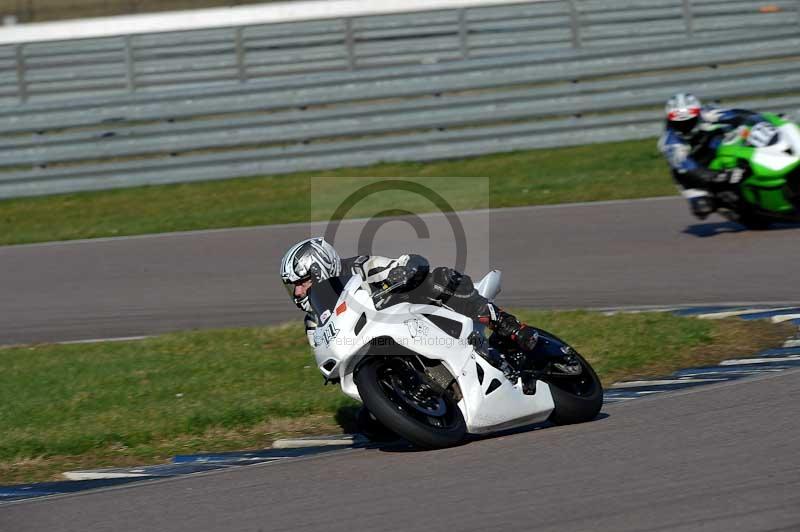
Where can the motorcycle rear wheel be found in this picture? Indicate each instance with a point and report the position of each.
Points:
(754, 222)
(403, 400)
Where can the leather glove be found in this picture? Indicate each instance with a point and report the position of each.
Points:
(400, 275)
(526, 337)
(410, 275)
(728, 176)
(507, 326)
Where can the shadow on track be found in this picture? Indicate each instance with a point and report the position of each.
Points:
(346, 417)
(711, 229)
(401, 446)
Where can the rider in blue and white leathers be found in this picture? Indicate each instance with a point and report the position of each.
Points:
(691, 137)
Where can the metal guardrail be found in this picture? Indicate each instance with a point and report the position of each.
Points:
(474, 105)
(58, 70)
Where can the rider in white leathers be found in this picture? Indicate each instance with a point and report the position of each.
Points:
(314, 260)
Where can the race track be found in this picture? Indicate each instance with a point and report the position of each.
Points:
(634, 253)
(717, 458)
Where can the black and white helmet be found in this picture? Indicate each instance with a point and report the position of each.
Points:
(312, 259)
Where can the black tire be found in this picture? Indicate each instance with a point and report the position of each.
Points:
(754, 222)
(382, 399)
(577, 399)
(369, 426)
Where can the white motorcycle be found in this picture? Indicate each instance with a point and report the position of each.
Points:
(429, 375)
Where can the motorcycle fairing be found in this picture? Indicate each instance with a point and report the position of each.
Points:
(339, 350)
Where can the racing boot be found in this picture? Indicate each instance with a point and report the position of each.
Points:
(492, 356)
(702, 206)
(509, 330)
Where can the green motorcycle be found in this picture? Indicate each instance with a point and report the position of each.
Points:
(768, 182)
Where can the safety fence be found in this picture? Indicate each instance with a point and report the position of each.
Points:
(399, 87)
(47, 70)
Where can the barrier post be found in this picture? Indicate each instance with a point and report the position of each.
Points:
(350, 43)
(462, 33)
(687, 17)
(22, 88)
(241, 67)
(575, 24)
(130, 67)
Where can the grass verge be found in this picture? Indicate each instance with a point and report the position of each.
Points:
(621, 170)
(65, 407)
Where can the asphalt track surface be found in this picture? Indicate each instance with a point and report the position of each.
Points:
(717, 458)
(613, 254)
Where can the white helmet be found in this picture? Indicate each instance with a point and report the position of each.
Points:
(312, 259)
(683, 112)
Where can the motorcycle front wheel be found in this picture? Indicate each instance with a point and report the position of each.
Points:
(405, 401)
(577, 398)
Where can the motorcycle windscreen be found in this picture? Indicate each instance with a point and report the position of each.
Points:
(323, 296)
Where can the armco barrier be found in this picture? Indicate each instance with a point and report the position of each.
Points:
(564, 95)
(55, 70)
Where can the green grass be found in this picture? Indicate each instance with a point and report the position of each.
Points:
(68, 407)
(537, 177)
(626, 346)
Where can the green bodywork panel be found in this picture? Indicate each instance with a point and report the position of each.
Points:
(765, 186)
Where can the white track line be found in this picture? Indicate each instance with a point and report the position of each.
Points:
(743, 361)
(733, 313)
(744, 306)
(663, 382)
(640, 310)
(784, 317)
(87, 341)
(322, 441)
(324, 223)
(99, 475)
(100, 340)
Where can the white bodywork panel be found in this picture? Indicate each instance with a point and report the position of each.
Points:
(504, 408)
(489, 286)
(783, 153)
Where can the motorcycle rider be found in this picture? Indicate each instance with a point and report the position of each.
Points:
(692, 134)
(314, 260)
